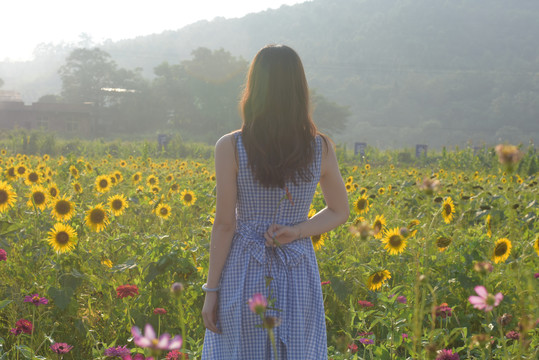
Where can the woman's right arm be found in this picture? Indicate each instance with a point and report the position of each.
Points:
(224, 224)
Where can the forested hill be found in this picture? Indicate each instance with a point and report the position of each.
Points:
(410, 71)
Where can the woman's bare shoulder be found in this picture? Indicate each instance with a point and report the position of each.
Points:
(226, 140)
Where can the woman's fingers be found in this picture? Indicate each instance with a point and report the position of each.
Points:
(209, 323)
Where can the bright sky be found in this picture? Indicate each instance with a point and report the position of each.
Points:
(27, 23)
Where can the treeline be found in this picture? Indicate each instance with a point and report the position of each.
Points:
(196, 99)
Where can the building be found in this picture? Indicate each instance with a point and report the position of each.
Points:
(63, 118)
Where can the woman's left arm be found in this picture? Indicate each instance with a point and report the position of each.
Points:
(224, 224)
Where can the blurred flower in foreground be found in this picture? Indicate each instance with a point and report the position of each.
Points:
(401, 299)
(483, 267)
(159, 311)
(508, 155)
(258, 303)
(177, 288)
(149, 339)
(119, 351)
(3, 255)
(61, 348)
(365, 303)
(445, 354)
(363, 229)
(485, 301)
(429, 186)
(176, 355)
(36, 300)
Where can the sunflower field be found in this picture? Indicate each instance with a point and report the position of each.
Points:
(439, 258)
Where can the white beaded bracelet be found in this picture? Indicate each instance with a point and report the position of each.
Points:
(206, 289)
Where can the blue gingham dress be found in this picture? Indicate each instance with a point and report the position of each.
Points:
(296, 282)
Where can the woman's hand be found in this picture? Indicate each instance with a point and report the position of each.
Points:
(209, 312)
(282, 234)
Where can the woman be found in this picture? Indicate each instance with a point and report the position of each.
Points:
(267, 174)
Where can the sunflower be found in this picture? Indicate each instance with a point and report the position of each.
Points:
(89, 167)
(62, 238)
(152, 181)
(381, 191)
(367, 167)
(97, 218)
(136, 177)
(118, 175)
(488, 224)
(113, 180)
(63, 209)
(378, 226)
(536, 245)
(169, 177)
(175, 188)
(155, 189)
(394, 241)
(32, 178)
(118, 204)
(74, 171)
(20, 170)
(11, 173)
(102, 183)
(350, 179)
(502, 249)
(377, 279)
(38, 197)
(318, 240)
(3, 152)
(53, 190)
(7, 196)
(349, 187)
(361, 205)
(448, 209)
(188, 197)
(163, 211)
(77, 187)
(123, 163)
(443, 242)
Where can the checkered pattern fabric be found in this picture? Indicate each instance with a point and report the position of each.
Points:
(296, 282)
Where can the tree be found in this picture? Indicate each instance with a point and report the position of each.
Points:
(329, 116)
(84, 75)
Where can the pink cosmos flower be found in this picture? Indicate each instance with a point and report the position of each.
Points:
(485, 301)
(3, 255)
(149, 340)
(401, 299)
(61, 348)
(36, 300)
(258, 303)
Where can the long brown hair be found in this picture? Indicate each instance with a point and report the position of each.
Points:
(277, 129)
